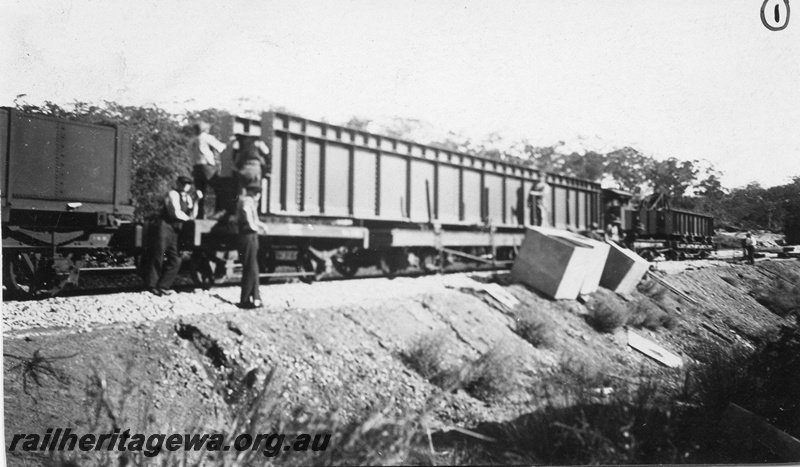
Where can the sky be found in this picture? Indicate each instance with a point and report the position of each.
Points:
(692, 79)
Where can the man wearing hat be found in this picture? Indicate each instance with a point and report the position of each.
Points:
(165, 262)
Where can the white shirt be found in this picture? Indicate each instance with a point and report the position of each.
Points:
(542, 193)
(248, 212)
(202, 148)
(173, 205)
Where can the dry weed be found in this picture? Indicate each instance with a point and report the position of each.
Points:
(536, 329)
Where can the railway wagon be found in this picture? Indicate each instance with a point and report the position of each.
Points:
(345, 198)
(677, 234)
(65, 198)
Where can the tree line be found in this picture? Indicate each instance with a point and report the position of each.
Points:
(160, 153)
(693, 185)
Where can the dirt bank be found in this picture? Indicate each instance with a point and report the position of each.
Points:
(164, 364)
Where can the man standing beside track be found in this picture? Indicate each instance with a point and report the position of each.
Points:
(204, 149)
(164, 260)
(249, 224)
(750, 247)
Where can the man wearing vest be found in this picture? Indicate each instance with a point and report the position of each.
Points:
(165, 262)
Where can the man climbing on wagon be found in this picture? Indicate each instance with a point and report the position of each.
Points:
(205, 151)
(251, 158)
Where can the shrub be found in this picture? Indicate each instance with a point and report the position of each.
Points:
(489, 376)
(653, 290)
(780, 297)
(646, 314)
(536, 329)
(607, 313)
(719, 378)
(369, 439)
(579, 425)
(426, 355)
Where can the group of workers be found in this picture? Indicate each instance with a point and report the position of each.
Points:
(251, 160)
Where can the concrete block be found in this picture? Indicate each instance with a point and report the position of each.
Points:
(552, 263)
(596, 264)
(623, 270)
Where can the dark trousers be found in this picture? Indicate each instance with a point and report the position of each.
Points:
(248, 256)
(164, 259)
(204, 178)
(751, 250)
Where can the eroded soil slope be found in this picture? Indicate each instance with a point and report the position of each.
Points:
(176, 363)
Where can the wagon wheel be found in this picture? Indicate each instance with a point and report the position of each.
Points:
(672, 255)
(432, 261)
(307, 262)
(345, 265)
(388, 264)
(202, 269)
(26, 275)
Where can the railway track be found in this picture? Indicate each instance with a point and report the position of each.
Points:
(105, 281)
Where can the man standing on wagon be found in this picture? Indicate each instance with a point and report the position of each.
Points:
(251, 158)
(540, 197)
(204, 149)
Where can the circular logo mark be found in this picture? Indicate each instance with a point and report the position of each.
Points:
(775, 14)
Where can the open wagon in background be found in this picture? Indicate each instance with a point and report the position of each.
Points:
(66, 200)
(657, 229)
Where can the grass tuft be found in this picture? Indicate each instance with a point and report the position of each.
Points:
(536, 329)
(490, 376)
(781, 297)
(653, 289)
(426, 355)
(646, 314)
(607, 313)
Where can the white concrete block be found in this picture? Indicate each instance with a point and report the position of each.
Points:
(623, 270)
(553, 262)
(597, 262)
